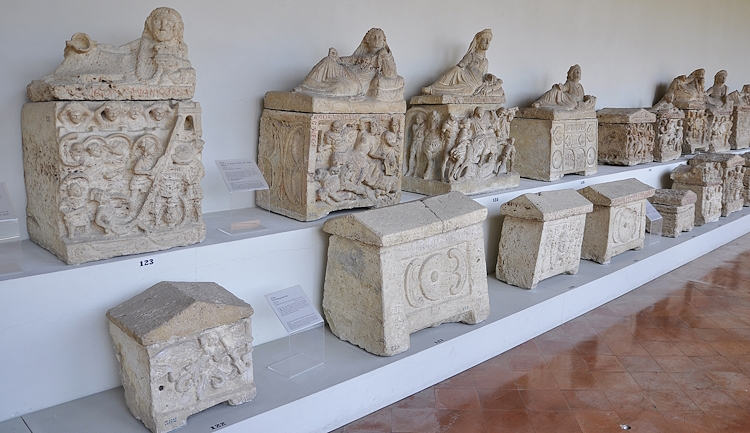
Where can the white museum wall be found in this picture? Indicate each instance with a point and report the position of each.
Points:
(52, 328)
(241, 49)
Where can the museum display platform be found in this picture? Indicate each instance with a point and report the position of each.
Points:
(64, 374)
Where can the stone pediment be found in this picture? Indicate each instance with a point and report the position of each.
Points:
(306, 103)
(674, 197)
(406, 222)
(617, 193)
(547, 205)
(703, 175)
(177, 309)
(725, 159)
(546, 113)
(625, 115)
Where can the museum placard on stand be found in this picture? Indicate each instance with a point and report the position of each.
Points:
(112, 147)
(541, 236)
(336, 141)
(183, 347)
(458, 133)
(626, 136)
(396, 270)
(618, 222)
(677, 208)
(558, 134)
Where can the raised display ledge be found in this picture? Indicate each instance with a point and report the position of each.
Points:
(54, 305)
(304, 403)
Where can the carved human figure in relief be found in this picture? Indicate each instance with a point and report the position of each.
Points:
(688, 89)
(567, 96)
(716, 95)
(469, 77)
(418, 130)
(369, 71)
(159, 57)
(73, 205)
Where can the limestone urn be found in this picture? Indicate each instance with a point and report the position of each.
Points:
(618, 222)
(336, 141)
(182, 347)
(458, 133)
(746, 179)
(740, 136)
(668, 130)
(677, 209)
(112, 148)
(396, 270)
(719, 114)
(557, 135)
(541, 236)
(687, 93)
(626, 136)
(705, 181)
(732, 170)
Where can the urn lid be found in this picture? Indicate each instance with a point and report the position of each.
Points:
(405, 222)
(547, 205)
(617, 193)
(625, 115)
(673, 197)
(177, 309)
(725, 159)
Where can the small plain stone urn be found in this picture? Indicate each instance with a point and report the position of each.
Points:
(618, 222)
(183, 347)
(541, 236)
(626, 136)
(396, 270)
(677, 209)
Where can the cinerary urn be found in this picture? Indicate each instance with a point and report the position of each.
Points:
(457, 134)
(687, 93)
(396, 270)
(182, 347)
(677, 209)
(705, 181)
(732, 170)
(541, 236)
(626, 136)
(618, 222)
(336, 141)
(667, 133)
(112, 148)
(558, 134)
(740, 136)
(746, 179)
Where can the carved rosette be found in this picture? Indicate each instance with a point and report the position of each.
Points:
(319, 163)
(438, 277)
(626, 224)
(125, 177)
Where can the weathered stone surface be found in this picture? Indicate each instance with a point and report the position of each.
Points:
(695, 133)
(718, 129)
(732, 171)
(318, 163)
(688, 94)
(746, 179)
(469, 78)
(396, 270)
(568, 95)
(626, 136)
(310, 103)
(668, 132)
(183, 347)
(548, 149)
(541, 236)
(677, 209)
(154, 67)
(740, 136)
(113, 178)
(369, 73)
(618, 222)
(465, 148)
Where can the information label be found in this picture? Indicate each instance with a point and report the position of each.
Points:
(294, 309)
(651, 213)
(241, 175)
(6, 207)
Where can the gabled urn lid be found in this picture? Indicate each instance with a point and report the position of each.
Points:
(405, 222)
(625, 115)
(177, 309)
(617, 193)
(547, 205)
(673, 197)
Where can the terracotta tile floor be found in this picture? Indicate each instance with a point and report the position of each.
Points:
(670, 356)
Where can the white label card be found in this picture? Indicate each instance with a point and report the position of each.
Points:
(651, 213)
(294, 309)
(6, 207)
(241, 175)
